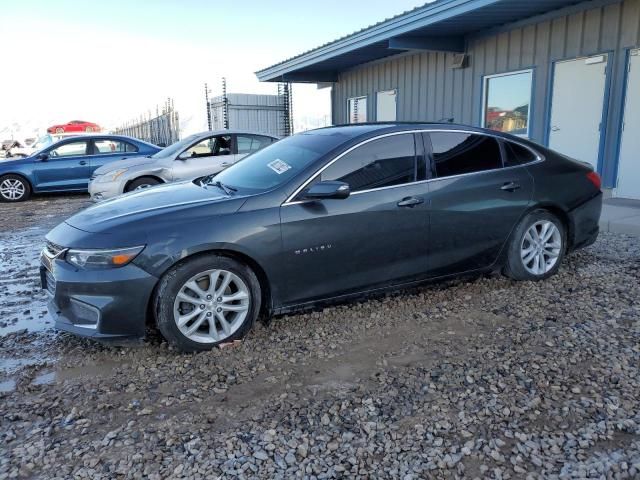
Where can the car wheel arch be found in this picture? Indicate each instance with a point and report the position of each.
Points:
(258, 269)
(562, 215)
(155, 177)
(22, 176)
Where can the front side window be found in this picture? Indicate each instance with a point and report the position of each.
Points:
(457, 153)
(357, 109)
(210, 147)
(114, 146)
(507, 102)
(386, 106)
(380, 163)
(70, 149)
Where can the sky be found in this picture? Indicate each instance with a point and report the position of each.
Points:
(111, 61)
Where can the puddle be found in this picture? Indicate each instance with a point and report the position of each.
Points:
(7, 386)
(45, 379)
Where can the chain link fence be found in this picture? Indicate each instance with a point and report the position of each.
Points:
(163, 129)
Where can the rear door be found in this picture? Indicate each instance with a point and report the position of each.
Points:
(376, 236)
(66, 167)
(475, 202)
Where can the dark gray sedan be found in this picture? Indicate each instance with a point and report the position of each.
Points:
(320, 216)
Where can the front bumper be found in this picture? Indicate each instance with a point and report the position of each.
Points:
(585, 221)
(100, 191)
(103, 304)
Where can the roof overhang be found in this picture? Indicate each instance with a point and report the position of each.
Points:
(443, 25)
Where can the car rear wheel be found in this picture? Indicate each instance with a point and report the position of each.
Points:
(88, 129)
(14, 188)
(207, 301)
(142, 183)
(537, 247)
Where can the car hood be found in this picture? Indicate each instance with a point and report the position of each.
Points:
(16, 161)
(128, 163)
(170, 203)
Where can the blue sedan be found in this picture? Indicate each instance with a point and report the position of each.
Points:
(67, 165)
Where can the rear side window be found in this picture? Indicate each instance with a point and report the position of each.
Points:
(380, 163)
(457, 153)
(113, 146)
(515, 155)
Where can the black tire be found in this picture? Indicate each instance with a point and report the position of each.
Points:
(142, 182)
(26, 186)
(515, 267)
(171, 284)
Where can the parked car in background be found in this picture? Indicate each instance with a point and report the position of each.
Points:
(319, 216)
(75, 126)
(195, 156)
(65, 165)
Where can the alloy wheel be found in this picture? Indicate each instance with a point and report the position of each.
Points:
(142, 187)
(211, 306)
(541, 247)
(12, 189)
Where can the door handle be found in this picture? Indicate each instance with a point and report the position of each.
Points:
(510, 187)
(410, 202)
(82, 162)
(555, 129)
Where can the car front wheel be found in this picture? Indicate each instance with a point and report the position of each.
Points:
(141, 183)
(537, 247)
(207, 301)
(14, 188)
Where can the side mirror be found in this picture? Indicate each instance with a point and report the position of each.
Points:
(328, 190)
(184, 156)
(43, 157)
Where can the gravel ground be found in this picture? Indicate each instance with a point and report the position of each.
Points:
(481, 378)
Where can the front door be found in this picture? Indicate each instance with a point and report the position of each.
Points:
(475, 202)
(206, 157)
(629, 166)
(66, 167)
(377, 236)
(575, 127)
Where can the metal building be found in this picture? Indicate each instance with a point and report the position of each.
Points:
(563, 73)
(257, 113)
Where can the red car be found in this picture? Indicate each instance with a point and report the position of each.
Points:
(75, 126)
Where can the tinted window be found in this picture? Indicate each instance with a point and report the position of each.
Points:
(114, 146)
(279, 162)
(380, 163)
(456, 153)
(517, 155)
(69, 149)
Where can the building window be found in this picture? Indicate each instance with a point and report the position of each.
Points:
(386, 106)
(358, 110)
(507, 102)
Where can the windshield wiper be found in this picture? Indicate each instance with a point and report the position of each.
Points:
(225, 188)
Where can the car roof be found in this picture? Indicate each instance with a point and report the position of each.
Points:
(229, 132)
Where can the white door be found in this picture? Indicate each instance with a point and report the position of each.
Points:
(629, 166)
(576, 110)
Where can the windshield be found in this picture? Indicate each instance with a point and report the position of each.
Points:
(175, 147)
(42, 142)
(276, 164)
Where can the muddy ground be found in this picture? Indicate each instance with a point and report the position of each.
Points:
(479, 378)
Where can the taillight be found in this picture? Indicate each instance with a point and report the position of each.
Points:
(595, 179)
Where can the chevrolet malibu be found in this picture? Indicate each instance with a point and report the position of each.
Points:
(318, 217)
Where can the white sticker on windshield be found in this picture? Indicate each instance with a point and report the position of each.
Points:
(279, 166)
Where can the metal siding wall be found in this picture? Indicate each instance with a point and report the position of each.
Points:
(429, 90)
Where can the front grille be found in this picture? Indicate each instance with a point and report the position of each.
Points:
(50, 282)
(54, 250)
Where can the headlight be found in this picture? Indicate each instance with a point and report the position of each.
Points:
(110, 176)
(102, 258)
